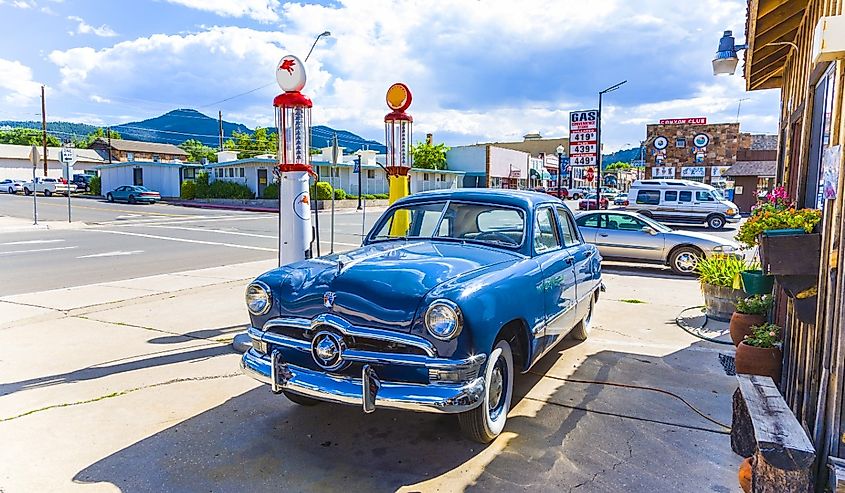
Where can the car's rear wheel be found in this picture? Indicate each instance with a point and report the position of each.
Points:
(576, 196)
(26, 191)
(110, 197)
(716, 221)
(47, 193)
(131, 199)
(684, 260)
(484, 423)
(300, 399)
(585, 326)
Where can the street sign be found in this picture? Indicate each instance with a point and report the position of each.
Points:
(590, 175)
(583, 138)
(34, 157)
(356, 167)
(638, 163)
(68, 155)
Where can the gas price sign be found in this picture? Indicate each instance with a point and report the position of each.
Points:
(583, 138)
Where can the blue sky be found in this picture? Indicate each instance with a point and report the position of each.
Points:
(479, 70)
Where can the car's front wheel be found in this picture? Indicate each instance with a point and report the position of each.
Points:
(110, 197)
(11, 190)
(716, 221)
(484, 423)
(131, 199)
(300, 399)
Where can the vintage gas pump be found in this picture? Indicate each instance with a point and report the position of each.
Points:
(293, 121)
(398, 134)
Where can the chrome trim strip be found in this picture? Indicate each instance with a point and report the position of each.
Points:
(348, 329)
(434, 398)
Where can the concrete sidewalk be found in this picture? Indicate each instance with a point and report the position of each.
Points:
(140, 391)
(17, 225)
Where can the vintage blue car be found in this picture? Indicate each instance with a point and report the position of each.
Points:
(451, 293)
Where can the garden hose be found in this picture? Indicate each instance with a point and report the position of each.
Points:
(639, 387)
(688, 328)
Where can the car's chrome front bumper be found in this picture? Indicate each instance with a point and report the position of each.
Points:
(434, 397)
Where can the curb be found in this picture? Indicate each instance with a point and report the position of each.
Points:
(221, 206)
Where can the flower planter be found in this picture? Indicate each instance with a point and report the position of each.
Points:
(790, 254)
(755, 282)
(744, 475)
(741, 324)
(720, 302)
(805, 309)
(752, 360)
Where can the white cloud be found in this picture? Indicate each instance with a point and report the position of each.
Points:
(16, 85)
(260, 10)
(99, 99)
(83, 27)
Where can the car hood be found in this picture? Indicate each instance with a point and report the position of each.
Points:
(700, 239)
(378, 285)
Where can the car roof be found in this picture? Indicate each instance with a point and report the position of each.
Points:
(617, 212)
(519, 198)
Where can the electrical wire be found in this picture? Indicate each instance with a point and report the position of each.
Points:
(632, 386)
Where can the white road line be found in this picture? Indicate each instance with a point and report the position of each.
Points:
(206, 230)
(117, 253)
(38, 250)
(185, 221)
(31, 242)
(183, 240)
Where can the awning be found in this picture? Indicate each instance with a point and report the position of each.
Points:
(547, 175)
(771, 23)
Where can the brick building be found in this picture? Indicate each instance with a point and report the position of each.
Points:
(694, 150)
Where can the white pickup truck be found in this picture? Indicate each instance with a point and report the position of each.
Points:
(48, 186)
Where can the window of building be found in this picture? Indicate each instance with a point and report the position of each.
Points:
(426, 176)
(230, 172)
(217, 172)
(371, 173)
(156, 158)
(241, 172)
(648, 197)
(189, 173)
(680, 142)
(336, 172)
(130, 156)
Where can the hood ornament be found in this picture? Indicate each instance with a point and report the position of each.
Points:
(328, 299)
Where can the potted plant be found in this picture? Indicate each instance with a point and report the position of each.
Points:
(717, 277)
(754, 281)
(750, 311)
(759, 353)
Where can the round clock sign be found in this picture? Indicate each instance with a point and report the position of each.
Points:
(661, 143)
(701, 140)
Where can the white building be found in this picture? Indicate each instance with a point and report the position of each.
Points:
(15, 162)
(164, 178)
(489, 166)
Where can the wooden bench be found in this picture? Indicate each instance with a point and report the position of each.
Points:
(765, 428)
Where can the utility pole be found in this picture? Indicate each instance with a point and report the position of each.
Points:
(220, 130)
(43, 131)
(108, 134)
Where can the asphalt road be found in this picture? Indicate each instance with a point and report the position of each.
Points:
(121, 241)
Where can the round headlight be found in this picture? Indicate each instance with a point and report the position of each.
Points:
(443, 320)
(258, 300)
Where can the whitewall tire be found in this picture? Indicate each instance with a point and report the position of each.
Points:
(484, 423)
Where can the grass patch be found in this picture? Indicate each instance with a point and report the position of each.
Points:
(633, 301)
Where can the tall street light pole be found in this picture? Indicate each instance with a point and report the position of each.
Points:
(560, 150)
(598, 141)
(322, 34)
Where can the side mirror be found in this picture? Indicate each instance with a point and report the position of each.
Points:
(649, 230)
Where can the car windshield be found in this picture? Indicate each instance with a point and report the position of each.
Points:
(482, 223)
(654, 224)
(142, 189)
(718, 194)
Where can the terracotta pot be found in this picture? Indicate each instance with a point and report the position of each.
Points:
(741, 325)
(719, 302)
(759, 361)
(745, 475)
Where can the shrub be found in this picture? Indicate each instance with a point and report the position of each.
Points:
(323, 191)
(202, 186)
(369, 196)
(351, 197)
(96, 185)
(754, 305)
(763, 336)
(382, 196)
(271, 192)
(339, 194)
(221, 189)
(189, 190)
(720, 270)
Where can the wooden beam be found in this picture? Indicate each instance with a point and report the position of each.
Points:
(770, 81)
(770, 63)
(768, 6)
(782, 14)
(784, 31)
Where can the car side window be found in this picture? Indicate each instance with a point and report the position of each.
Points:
(685, 197)
(670, 196)
(589, 221)
(624, 222)
(648, 197)
(568, 228)
(545, 231)
(704, 197)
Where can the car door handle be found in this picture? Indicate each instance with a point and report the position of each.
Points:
(603, 235)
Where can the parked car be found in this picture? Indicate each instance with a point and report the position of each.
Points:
(627, 236)
(576, 193)
(682, 201)
(589, 203)
(48, 186)
(560, 193)
(621, 199)
(133, 194)
(82, 182)
(11, 186)
(436, 316)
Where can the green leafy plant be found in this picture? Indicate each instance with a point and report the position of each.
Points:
(633, 301)
(271, 191)
(339, 194)
(754, 305)
(322, 191)
(189, 190)
(380, 196)
(764, 336)
(770, 217)
(96, 185)
(429, 156)
(720, 270)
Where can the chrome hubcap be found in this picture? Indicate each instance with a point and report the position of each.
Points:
(496, 386)
(686, 262)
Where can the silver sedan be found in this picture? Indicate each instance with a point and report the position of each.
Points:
(630, 237)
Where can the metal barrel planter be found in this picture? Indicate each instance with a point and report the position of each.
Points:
(720, 302)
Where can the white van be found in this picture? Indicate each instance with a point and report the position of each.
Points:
(682, 201)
